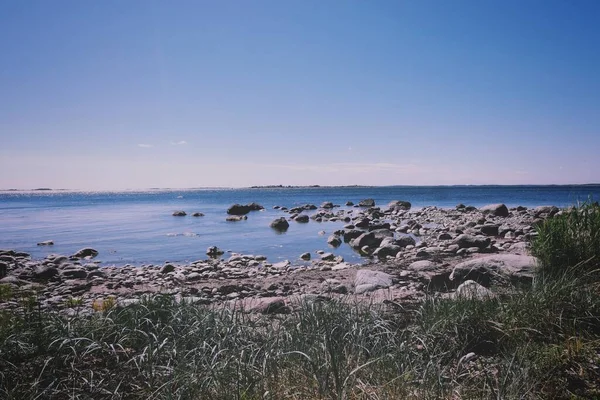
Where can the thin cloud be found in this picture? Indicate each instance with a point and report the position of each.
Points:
(181, 142)
(146, 146)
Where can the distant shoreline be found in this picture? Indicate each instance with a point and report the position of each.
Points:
(13, 190)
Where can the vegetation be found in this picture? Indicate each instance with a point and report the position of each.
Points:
(536, 343)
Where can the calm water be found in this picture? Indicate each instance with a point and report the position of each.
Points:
(138, 228)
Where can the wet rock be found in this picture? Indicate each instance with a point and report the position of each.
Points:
(368, 281)
(179, 213)
(367, 203)
(327, 204)
(508, 267)
(305, 256)
(86, 252)
(334, 241)
(349, 203)
(214, 251)
(327, 256)
(46, 243)
(236, 218)
(498, 210)
(239, 209)
(280, 224)
(399, 205)
(303, 218)
(197, 214)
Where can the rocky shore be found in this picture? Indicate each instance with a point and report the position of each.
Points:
(408, 254)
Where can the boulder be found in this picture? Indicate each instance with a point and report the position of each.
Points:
(235, 218)
(305, 256)
(86, 252)
(240, 209)
(501, 267)
(370, 239)
(179, 213)
(197, 214)
(280, 224)
(498, 210)
(368, 281)
(44, 272)
(471, 290)
(327, 204)
(274, 305)
(3, 269)
(367, 203)
(46, 243)
(167, 268)
(387, 249)
(399, 205)
(466, 241)
(73, 273)
(349, 203)
(303, 218)
(334, 241)
(214, 251)
(405, 240)
(547, 210)
(489, 230)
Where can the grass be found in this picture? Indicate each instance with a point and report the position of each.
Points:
(541, 342)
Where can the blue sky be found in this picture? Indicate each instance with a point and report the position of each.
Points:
(138, 94)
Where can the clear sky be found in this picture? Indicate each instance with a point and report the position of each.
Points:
(119, 94)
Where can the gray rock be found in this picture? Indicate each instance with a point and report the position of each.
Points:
(303, 218)
(239, 209)
(387, 249)
(179, 213)
(167, 268)
(275, 305)
(367, 281)
(444, 236)
(471, 290)
(498, 210)
(197, 214)
(548, 210)
(236, 218)
(466, 241)
(367, 203)
(280, 224)
(399, 205)
(85, 252)
(327, 204)
(489, 229)
(334, 241)
(349, 203)
(305, 256)
(328, 256)
(214, 251)
(405, 240)
(73, 273)
(46, 243)
(502, 267)
(42, 272)
(3, 269)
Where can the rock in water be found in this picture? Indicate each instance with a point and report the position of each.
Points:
(280, 224)
(46, 243)
(179, 214)
(301, 218)
(234, 218)
(86, 252)
(305, 256)
(239, 209)
(214, 251)
(498, 210)
(197, 214)
(334, 241)
(367, 203)
(399, 205)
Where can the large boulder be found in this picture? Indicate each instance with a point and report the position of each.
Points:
(498, 210)
(371, 239)
(280, 224)
(303, 218)
(86, 252)
(405, 240)
(327, 204)
(367, 203)
(502, 267)
(334, 240)
(240, 209)
(435, 276)
(73, 273)
(471, 290)
(545, 210)
(44, 272)
(465, 241)
(367, 281)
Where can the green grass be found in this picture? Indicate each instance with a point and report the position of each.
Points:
(541, 342)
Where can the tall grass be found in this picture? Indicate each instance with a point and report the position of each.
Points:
(569, 242)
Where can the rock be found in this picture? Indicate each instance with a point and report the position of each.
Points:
(368, 281)
(235, 218)
(73, 273)
(46, 243)
(367, 203)
(214, 251)
(327, 256)
(466, 241)
(399, 205)
(489, 230)
(498, 210)
(349, 203)
(444, 236)
(369, 239)
(239, 209)
(303, 218)
(274, 305)
(405, 240)
(86, 252)
(280, 224)
(167, 268)
(511, 267)
(3, 269)
(197, 214)
(471, 290)
(12, 280)
(548, 210)
(179, 214)
(42, 272)
(387, 249)
(305, 256)
(334, 241)
(327, 204)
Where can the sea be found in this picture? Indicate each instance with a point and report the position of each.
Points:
(137, 227)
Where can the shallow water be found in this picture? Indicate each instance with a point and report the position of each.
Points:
(138, 228)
